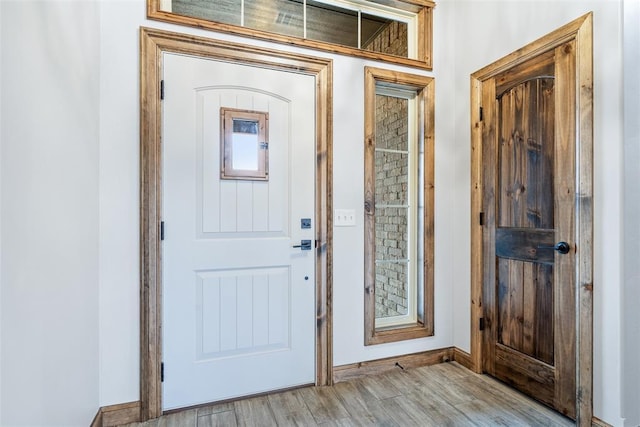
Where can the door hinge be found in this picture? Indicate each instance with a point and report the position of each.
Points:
(162, 372)
(481, 114)
(161, 89)
(481, 219)
(481, 323)
(161, 230)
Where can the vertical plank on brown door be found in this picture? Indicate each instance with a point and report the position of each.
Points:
(529, 296)
(564, 292)
(504, 213)
(531, 212)
(516, 279)
(544, 314)
(545, 301)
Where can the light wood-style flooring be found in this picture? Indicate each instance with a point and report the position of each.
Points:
(446, 394)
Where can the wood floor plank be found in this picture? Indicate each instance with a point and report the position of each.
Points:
(484, 415)
(363, 407)
(287, 402)
(519, 405)
(381, 387)
(303, 418)
(180, 419)
(324, 404)
(254, 412)
(401, 416)
(437, 411)
(446, 394)
(343, 422)
(440, 387)
(212, 409)
(218, 419)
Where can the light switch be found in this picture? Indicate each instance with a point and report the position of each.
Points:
(344, 218)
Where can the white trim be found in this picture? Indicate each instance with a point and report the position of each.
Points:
(412, 206)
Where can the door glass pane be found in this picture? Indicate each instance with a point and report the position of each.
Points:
(392, 124)
(392, 176)
(391, 234)
(276, 16)
(384, 35)
(245, 145)
(391, 289)
(392, 255)
(332, 24)
(224, 11)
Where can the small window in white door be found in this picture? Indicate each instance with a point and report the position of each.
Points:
(244, 144)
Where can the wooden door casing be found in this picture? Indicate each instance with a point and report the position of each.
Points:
(517, 339)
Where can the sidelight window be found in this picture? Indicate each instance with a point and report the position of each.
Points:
(398, 206)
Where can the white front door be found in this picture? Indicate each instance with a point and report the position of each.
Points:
(238, 298)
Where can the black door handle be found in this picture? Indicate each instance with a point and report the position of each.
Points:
(560, 247)
(305, 245)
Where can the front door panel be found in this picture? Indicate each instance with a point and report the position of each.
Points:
(238, 298)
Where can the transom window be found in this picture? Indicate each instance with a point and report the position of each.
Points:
(395, 30)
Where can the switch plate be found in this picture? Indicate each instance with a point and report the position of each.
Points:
(344, 218)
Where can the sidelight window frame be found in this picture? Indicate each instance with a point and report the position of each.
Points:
(418, 14)
(419, 91)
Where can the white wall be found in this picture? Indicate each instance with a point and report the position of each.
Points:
(0, 215)
(631, 244)
(50, 117)
(119, 206)
(69, 196)
(485, 31)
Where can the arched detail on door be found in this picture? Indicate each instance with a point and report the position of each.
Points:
(519, 83)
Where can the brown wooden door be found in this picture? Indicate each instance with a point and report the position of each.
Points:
(529, 176)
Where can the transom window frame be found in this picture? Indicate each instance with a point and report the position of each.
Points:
(423, 87)
(423, 10)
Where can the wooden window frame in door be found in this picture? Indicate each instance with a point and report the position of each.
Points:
(153, 44)
(580, 31)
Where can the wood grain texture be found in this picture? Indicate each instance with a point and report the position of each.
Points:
(115, 415)
(564, 206)
(463, 358)
(584, 226)
(597, 422)
(425, 90)
(525, 244)
(476, 227)
(374, 367)
(153, 43)
(423, 61)
(436, 395)
(97, 420)
(488, 204)
(578, 32)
